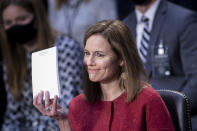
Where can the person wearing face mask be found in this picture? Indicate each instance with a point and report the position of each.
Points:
(166, 39)
(116, 94)
(25, 29)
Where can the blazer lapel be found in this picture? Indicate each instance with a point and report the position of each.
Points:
(131, 23)
(155, 34)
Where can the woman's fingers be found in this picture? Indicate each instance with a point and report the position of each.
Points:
(57, 111)
(35, 100)
(51, 107)
(38, 101)
(47, 99)
(54, 106)
(40, 98)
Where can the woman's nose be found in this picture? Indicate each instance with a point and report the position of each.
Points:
(90, 61)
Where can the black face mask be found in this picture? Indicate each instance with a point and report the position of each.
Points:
(141, 2)
(22, 34)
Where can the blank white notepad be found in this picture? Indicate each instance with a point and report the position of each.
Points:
(45, 74)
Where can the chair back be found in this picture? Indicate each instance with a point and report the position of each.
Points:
(179, 108)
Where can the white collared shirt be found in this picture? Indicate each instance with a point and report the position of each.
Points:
(150, 14)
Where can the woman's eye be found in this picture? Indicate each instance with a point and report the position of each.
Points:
(22, 18)
(86, 53)
(7, 23)
(100, 54)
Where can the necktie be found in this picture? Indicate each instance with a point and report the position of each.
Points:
(143, 50)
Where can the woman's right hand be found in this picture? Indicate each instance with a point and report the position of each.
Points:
(49, 107)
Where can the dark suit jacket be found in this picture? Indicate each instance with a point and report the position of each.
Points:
(177, 27)
(190, 4)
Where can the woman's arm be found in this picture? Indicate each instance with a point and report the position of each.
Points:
(64, 125)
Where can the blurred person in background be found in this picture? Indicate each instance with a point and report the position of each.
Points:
(167, 44)
(25, 29)
(74, 17)
(116, 94)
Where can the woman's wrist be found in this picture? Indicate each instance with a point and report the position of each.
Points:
(64, 124)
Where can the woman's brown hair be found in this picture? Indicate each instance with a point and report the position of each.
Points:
(14, 55)
(122, 43)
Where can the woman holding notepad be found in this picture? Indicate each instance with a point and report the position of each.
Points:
(116, 94)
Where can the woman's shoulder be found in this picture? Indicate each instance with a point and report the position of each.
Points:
(80, 97)
(78, 101)
(147, 88)
(148, 93)
(148, 97)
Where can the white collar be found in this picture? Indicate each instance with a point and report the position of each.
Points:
(150, 13)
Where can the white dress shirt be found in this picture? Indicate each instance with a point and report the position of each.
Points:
(150, 14)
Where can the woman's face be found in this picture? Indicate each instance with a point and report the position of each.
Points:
(101, 62)
(16, 15)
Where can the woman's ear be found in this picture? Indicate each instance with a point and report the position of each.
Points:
(121, 62)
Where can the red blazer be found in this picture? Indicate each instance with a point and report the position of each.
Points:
(146, 113)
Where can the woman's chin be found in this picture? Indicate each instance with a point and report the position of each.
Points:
(93, 80)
